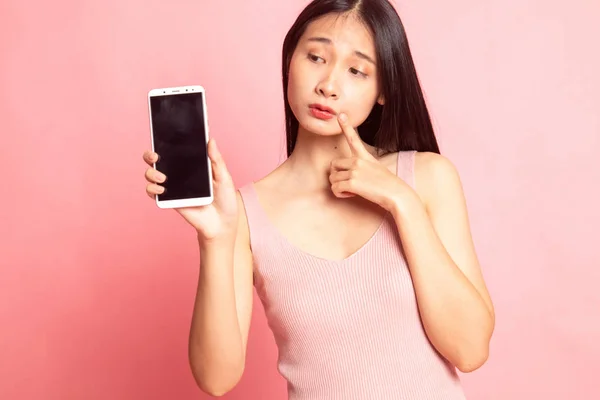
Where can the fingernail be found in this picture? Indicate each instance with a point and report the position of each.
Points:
(159, 178)
(343, 117)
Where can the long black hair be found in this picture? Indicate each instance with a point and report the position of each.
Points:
(403, 122)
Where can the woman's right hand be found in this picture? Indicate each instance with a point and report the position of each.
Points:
(215, 221)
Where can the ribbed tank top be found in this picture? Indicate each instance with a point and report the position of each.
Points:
(347, 329)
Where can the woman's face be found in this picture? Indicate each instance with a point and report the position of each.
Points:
(333, 66)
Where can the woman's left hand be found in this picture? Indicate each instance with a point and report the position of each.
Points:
(363, 175)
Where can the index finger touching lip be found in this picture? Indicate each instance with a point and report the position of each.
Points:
(347, 128)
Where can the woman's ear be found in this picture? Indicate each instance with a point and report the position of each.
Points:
(380, 100)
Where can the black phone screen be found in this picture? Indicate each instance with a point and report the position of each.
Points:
(179, 137)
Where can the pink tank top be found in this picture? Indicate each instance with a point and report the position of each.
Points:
(347, 329)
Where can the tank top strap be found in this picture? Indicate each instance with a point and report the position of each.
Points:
(405, 168)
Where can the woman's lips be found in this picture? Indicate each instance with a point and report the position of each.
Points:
(321, 112)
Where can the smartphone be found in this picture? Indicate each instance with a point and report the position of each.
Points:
(179, 135)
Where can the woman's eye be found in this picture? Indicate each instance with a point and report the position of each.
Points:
(356, 72)
(314, 58)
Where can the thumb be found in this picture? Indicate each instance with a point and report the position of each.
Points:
(220, 172)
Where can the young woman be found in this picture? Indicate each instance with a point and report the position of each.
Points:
(358, 244)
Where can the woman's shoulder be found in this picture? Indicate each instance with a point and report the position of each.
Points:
(433, 163)
(435, 175)
(428, 165)
(265, 184)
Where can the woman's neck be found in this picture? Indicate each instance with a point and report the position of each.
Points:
(311, 159)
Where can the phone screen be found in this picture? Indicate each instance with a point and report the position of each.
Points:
(179, 136)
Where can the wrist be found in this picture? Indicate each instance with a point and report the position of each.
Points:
(223, 241)
(406, 204)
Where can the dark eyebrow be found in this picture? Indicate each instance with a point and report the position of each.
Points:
(327, 41)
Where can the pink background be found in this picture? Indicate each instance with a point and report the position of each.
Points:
(97, 283)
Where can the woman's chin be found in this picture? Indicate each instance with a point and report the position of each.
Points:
(321, 128)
